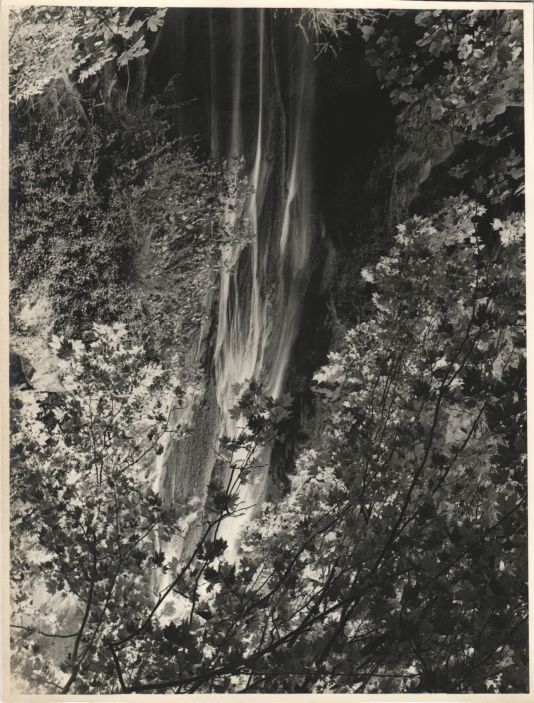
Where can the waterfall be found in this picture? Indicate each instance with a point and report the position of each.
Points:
(234, 150)
(242, 318)
(296, 236)
(258, 322)
(264, 277)
(214, 124)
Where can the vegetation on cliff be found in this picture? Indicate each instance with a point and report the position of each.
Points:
(116, 215)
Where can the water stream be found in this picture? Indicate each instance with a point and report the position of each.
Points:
(263, 281)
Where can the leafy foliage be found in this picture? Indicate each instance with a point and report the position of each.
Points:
(422, 456)
(87, 523)
(447, 141)
(327, 25)
(59, 219)
(456, 71)
(73, 44)
(122, 221)
(82, 507)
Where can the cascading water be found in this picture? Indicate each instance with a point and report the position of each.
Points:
(256, 334)
(263, 280)
(296, 235)
(214, 124)
(243, 314)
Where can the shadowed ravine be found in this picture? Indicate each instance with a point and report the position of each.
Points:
(263, 281)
